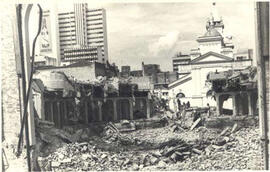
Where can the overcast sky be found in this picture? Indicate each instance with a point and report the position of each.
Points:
(154, 32)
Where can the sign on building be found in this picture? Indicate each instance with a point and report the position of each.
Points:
(45, 35)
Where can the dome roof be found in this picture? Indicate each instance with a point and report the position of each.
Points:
(212, 33)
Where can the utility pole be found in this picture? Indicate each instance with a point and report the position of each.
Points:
(23, 68)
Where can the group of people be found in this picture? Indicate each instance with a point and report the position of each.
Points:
(184, 106)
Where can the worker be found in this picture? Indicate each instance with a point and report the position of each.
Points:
(208, 109)
(188, 104)
(179, 104)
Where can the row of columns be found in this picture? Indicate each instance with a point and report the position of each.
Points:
(61, 121)
(115, 113)
(238, 103)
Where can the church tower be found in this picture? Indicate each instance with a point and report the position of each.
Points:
(215, 21)
(214, 39)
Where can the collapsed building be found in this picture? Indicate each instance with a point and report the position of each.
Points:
(240, 85)
(61, 98)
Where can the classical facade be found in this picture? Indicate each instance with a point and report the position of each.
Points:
(214, 53)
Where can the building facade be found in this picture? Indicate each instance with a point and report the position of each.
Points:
(214, 53)
(83, 35)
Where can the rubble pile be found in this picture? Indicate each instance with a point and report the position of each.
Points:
(239, 151)
(177, 146)
(112, 134)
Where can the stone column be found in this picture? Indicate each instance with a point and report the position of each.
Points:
(147, 108)
(114, 109)
(130, 109)
(240, 105)
(51, 111)
(42, 106)
(250, 104)
(235, 104)
(65, 111)
(100, 111)
(219, 105)
(86, 111)
(59, 115)
(93, 109)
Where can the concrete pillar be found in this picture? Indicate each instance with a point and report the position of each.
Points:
(86, 111)
(130, 109)
(114, 109)
(147, 108)
(250, 104)
(100, 111)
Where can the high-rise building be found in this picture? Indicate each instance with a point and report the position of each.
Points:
(83, 35)
(180, 59)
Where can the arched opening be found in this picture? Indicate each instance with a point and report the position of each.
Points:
(180, 95)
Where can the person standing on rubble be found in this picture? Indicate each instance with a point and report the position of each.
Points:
(208, 109)
(188, 104)
(179, 104)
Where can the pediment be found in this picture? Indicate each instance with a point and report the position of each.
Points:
(211, 57)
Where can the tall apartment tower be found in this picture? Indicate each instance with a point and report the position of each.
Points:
(83, 35)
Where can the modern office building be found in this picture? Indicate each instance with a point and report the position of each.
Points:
(180, 59)
(83, 35)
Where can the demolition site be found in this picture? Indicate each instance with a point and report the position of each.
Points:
(67, 107)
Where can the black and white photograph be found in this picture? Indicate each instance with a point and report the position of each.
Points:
(130, 85)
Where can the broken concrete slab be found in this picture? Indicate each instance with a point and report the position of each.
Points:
(195, 123)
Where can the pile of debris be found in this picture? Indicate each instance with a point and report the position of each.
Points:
(239, 150)
(112, 134)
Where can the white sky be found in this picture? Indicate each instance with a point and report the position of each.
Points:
(154, 32)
